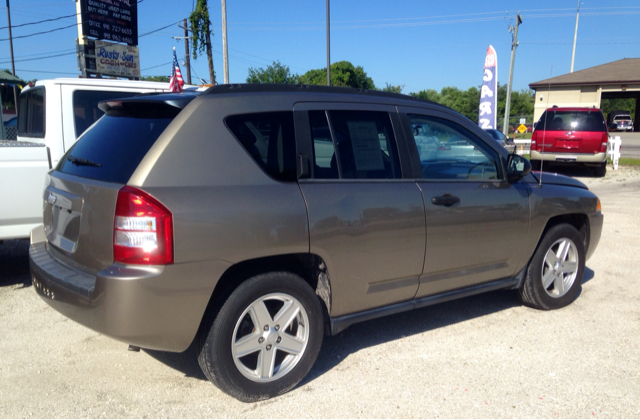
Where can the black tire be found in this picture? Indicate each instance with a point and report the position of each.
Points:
(536, 165)
(533, 292)
(232, 374)
(601, 170)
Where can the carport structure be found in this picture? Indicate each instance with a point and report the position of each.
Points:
(588, 87)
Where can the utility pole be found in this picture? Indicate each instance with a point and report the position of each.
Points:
(328, 49)
(575, 37)
(13, 66)
(187, 58)
(514, 45)
(225, 53)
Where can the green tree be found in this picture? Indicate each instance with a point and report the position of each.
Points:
(201, 35)
(156, 79)
(622, 104)
(392, 88)
(429, 95)
(467, 102)
(343, 73)
(275, 73)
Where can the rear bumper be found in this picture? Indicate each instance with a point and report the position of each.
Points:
(569, 157)
(157, 307)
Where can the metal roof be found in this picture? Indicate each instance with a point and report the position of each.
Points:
(9, 78)
(626, 70)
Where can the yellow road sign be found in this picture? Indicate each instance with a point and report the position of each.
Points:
(522, 128)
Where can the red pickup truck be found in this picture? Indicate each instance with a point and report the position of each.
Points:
(571, 136)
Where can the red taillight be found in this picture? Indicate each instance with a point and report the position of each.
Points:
(603, 143)
(534, 140)
(142, 229)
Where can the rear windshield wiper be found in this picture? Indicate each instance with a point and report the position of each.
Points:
(83, 162)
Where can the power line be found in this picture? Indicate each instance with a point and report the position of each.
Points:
(40, 33)
(42, 71)
(40, 21)
(159, 29)
(38, 58)
(75, 24)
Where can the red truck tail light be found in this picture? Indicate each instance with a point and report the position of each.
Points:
(142, 230)
(534, 140)
(603, 144)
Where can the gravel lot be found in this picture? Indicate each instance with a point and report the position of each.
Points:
(484, 356)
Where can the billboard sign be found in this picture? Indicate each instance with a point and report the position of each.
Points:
(117, 60)
(110, 20)
(489, 93)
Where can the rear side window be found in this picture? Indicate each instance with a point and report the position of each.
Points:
(85, 106)
(572, 121)
(362, 147)
(31, 113)
(269, 138)
(112, 150)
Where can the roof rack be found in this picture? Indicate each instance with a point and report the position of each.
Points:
(268, 87)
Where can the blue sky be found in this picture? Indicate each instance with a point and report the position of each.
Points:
(419, 44)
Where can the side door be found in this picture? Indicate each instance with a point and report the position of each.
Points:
(366, 218)
(477, 222)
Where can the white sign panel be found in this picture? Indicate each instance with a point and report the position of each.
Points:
(366, 145)
(117, 60)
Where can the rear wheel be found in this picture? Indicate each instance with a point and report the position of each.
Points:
(555, 272)
(536, 165)
(265, 337)
(601, 170)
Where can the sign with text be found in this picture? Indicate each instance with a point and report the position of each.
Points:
(117, 60)
(111, 20)
(489, 91)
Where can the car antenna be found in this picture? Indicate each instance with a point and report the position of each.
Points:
(544, 128)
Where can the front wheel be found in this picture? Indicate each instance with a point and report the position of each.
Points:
(265, 338)
(555, 272)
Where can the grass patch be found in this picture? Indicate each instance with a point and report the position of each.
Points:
(626, 161)
(524, 136)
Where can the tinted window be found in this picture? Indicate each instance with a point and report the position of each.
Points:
(323, 148)
(85, 107)
(270, 140)
(572, 121)
(117, 143)
(31, 113)
(449, 151)
(365, 144)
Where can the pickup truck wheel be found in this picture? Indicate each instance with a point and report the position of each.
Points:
(554, 275)
(601, 170)
(265, 338)
(535, 165)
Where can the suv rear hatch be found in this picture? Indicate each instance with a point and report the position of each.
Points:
(81, 196)
(571, 131)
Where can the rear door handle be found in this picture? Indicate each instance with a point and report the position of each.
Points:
(446, 200)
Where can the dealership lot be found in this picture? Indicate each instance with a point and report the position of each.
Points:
(484, 356)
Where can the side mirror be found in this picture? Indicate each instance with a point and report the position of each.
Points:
(517, 167)
(535, 124)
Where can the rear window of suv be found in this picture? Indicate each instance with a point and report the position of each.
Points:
(572, 121)
(112, 150)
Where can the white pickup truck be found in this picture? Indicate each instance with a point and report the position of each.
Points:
(52, 114)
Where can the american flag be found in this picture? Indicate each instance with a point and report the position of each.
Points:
(176, 82)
